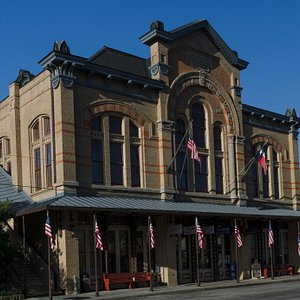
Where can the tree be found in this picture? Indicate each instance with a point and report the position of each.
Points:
(5, 250)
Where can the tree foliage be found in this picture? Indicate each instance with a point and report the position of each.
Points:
(5, 251)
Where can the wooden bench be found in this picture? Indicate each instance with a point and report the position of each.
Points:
(278, 270)
(125, 278)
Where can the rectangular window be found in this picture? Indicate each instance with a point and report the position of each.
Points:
(181, 170)
(1, 150)
(265, 185)
(276, 182)
(37, 169)
(8, 167)
(135, 165)
(116, 163)
(48, 165)
(219, 175)
(97, 161)
(201, 175)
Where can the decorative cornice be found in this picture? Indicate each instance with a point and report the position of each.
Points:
(237, 90)
(159, 67)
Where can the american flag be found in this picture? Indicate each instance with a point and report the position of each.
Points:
(271, 238)
(48, 232)
(199, 234)
(151, 234)
(238, 236)
(299, 243)
(99, 243)
(193, 149)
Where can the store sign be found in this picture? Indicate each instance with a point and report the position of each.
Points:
(205, 229)
(175, 229)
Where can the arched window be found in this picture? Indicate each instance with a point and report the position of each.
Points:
(5, 157)
(218, 159)
(199, 127)
(263, 186)
(181, 163)
(42, 153)
(120, 164)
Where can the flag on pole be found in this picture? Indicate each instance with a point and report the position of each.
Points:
(193, 149)
(298, 243)
(271, 238)
(99, 244)
(48, 232)
(199, 234)
(238, 236)
(261, 159)
(151, 234)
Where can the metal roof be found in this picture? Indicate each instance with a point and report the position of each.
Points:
(145, 205)
(9, 192)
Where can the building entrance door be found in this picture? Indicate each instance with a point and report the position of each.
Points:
(117, 250)
(206, 262)
(184, 258)
(223, 256)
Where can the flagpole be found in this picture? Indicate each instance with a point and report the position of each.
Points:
(236, 253)
(96, 262)
(197, 257)
(149, 249)
(49, 269)
(176, 152)
(271, 253)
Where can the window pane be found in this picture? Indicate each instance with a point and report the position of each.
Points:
(36, 132)
(179, 131)
(135, 165)
(97, 161)
(7, 147)
(46, 126)
(265, 184)
(219, 175)
(198, 117)
(276, 182)
(111, 252)
(134, 131)
(201, 175)
(48, 165)
(124, 259)
(217, 138)
(37, 169)
(181, 181)
(96, 124)
(115, 125)
(116, 163)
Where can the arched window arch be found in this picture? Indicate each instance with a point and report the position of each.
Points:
(181, 163)
(5, 156)
(199, 124)
(40, 133)
(120, 163)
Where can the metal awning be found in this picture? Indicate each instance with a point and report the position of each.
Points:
(153, 206)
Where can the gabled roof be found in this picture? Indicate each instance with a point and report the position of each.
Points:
(8, 191)
(121, 61)
(159, 33)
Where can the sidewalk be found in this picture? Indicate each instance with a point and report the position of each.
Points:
(140, 293)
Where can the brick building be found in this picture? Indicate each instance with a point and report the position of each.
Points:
(97, 136)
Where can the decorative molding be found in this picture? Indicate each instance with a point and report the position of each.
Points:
(159, 67)
(62, 73)
(24, 77)
(237, 90)
(240, 139)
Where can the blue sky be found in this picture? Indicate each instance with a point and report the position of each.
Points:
(265, 33)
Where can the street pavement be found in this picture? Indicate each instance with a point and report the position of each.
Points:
(281, 288)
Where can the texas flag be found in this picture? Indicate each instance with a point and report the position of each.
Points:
(261, 159)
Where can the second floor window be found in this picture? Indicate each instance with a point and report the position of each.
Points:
(5, 155)
(41, 154)
(121, 136)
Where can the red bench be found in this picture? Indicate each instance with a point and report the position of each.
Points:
(125, 278)
(278, 270)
